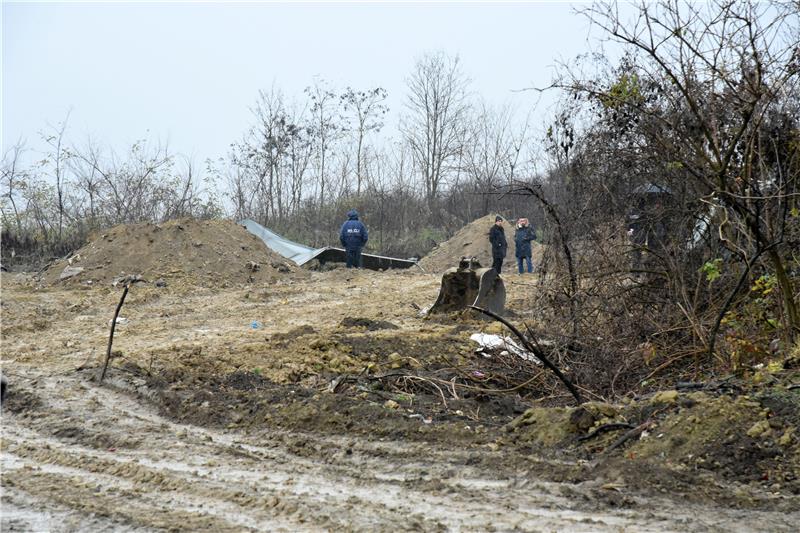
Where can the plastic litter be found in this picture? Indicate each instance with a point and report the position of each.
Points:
(495, 342)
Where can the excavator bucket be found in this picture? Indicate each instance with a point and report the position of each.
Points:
(469, 284)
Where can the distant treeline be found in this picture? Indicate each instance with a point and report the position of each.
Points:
(301, 166)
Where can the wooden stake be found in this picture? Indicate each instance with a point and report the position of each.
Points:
(111, 335)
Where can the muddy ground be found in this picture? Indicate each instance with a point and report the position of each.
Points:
(320, 401)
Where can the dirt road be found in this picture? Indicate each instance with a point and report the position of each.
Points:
(77, 456)
(81, 457)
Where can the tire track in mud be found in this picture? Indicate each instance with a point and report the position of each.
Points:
(96, 454)
(22, 513)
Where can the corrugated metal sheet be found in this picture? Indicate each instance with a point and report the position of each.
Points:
(301, 254)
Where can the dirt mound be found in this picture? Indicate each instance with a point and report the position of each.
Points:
(745, 433)
(201, 251)
(473, 241)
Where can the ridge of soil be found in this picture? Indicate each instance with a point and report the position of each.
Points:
(204, 252)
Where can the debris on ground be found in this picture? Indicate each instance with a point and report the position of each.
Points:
(495, 343)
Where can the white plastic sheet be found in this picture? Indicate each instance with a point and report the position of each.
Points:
(496, 342)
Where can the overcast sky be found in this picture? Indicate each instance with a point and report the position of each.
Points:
(187, 73)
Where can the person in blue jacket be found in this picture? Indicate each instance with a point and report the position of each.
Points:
(353, 237)
(522, 241)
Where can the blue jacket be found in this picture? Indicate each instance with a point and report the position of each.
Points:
(522, 240)
(353, 234)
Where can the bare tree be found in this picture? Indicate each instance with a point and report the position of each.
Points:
(89, 180)
(299, 150)
(435, 126)
(326, 128)
(671, 183)
(368, 110)
(58, 163)
(131, 186)
(12, 178)
(262, 156)
(490, 154)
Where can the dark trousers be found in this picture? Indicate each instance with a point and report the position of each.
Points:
(497, 263)
(354, 258)
(528, 260)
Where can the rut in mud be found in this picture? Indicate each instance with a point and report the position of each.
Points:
(79, 456)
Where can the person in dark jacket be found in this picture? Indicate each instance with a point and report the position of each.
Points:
(497, 236)
(522, 241)
(353, 237)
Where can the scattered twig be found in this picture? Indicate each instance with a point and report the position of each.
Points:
(336, 384)
(380, 394)
(605, 428)
(628, 435)
(689, 385)
(668, 363)
(111, 334)
(437, 387)
(460, 385)
(535, 351)
(590, 393)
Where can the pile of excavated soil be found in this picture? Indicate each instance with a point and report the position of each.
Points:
(746, 433)
(215, 252)
(473, 241)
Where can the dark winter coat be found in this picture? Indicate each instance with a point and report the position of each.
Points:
(522, 240)
(497, 236)
(353, 234)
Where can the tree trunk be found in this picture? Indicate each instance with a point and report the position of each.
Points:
(787, 295)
